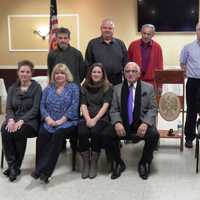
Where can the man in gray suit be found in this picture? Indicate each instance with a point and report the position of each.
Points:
(133, 112)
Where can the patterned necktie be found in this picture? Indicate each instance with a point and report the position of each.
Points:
(130, 105)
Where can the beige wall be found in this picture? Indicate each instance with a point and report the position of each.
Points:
(91, 12)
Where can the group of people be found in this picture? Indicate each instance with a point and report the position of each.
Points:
(54, 115)
(113, 102)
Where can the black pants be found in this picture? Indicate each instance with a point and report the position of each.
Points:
(100, 136)
(48, 148)
(14, 144)
(192, 96)
(151, 139)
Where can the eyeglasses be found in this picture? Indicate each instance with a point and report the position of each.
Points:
(131, 71)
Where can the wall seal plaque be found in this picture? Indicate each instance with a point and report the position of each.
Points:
(169, 106)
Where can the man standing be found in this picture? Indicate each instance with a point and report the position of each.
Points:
(68, 55)
(133, 112)
(109, 51)
(146, 53)
(190, 62)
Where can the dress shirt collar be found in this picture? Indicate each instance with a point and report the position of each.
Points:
(134, 85)
(103, 41)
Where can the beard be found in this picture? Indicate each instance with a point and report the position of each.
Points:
(63, 46)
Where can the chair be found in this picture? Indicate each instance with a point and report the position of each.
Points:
(171, 77)
(197, 145)
(73, 145)
(43, 81)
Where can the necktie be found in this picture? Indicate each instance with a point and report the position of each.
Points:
(130, 105)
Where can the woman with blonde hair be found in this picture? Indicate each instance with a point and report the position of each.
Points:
(60, 113)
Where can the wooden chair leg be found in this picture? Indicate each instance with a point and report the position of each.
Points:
(197, 154)
(74, 160)
(2, 159)
(181, 145)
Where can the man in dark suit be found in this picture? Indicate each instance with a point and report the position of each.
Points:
(133, 112)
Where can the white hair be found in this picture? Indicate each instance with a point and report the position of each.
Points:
(108, 20)
(148, 26)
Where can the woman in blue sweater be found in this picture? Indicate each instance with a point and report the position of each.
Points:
(60, 113)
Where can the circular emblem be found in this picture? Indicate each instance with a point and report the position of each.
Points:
(169, 106)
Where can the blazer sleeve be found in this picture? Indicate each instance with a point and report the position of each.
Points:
(9, 110)
(115, 106)
(149, 114)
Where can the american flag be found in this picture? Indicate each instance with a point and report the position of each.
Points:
(53, 25)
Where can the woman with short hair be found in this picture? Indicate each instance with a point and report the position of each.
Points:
(60, 113)
(22, 118)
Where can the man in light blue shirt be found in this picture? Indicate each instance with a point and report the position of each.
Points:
(190, 62)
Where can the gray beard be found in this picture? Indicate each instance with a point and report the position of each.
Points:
(63, 47)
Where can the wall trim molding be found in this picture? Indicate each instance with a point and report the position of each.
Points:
(15, 67)
(35, 16)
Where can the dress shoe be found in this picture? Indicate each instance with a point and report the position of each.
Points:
(144, 170)
(117, 170)
(13, 175)
(44, 178)
(7, 172)
(35, 175)
(188, 144)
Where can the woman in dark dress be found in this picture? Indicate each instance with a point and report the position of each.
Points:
(96, 97)
(22, 118)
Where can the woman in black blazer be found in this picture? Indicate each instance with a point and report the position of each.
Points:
(22, 118)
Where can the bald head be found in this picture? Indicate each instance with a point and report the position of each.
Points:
(107, 29)
(132, 72)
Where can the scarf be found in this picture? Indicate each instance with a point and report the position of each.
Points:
(137, 106)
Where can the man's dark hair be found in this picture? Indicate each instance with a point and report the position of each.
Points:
(26, 63)
(64, 31)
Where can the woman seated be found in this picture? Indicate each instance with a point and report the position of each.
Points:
(96, 96)
(22, 118)
(60, 113)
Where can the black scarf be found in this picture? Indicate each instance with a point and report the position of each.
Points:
(124, 107)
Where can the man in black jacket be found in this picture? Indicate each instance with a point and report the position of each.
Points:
(68, 55)
(109, 51)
